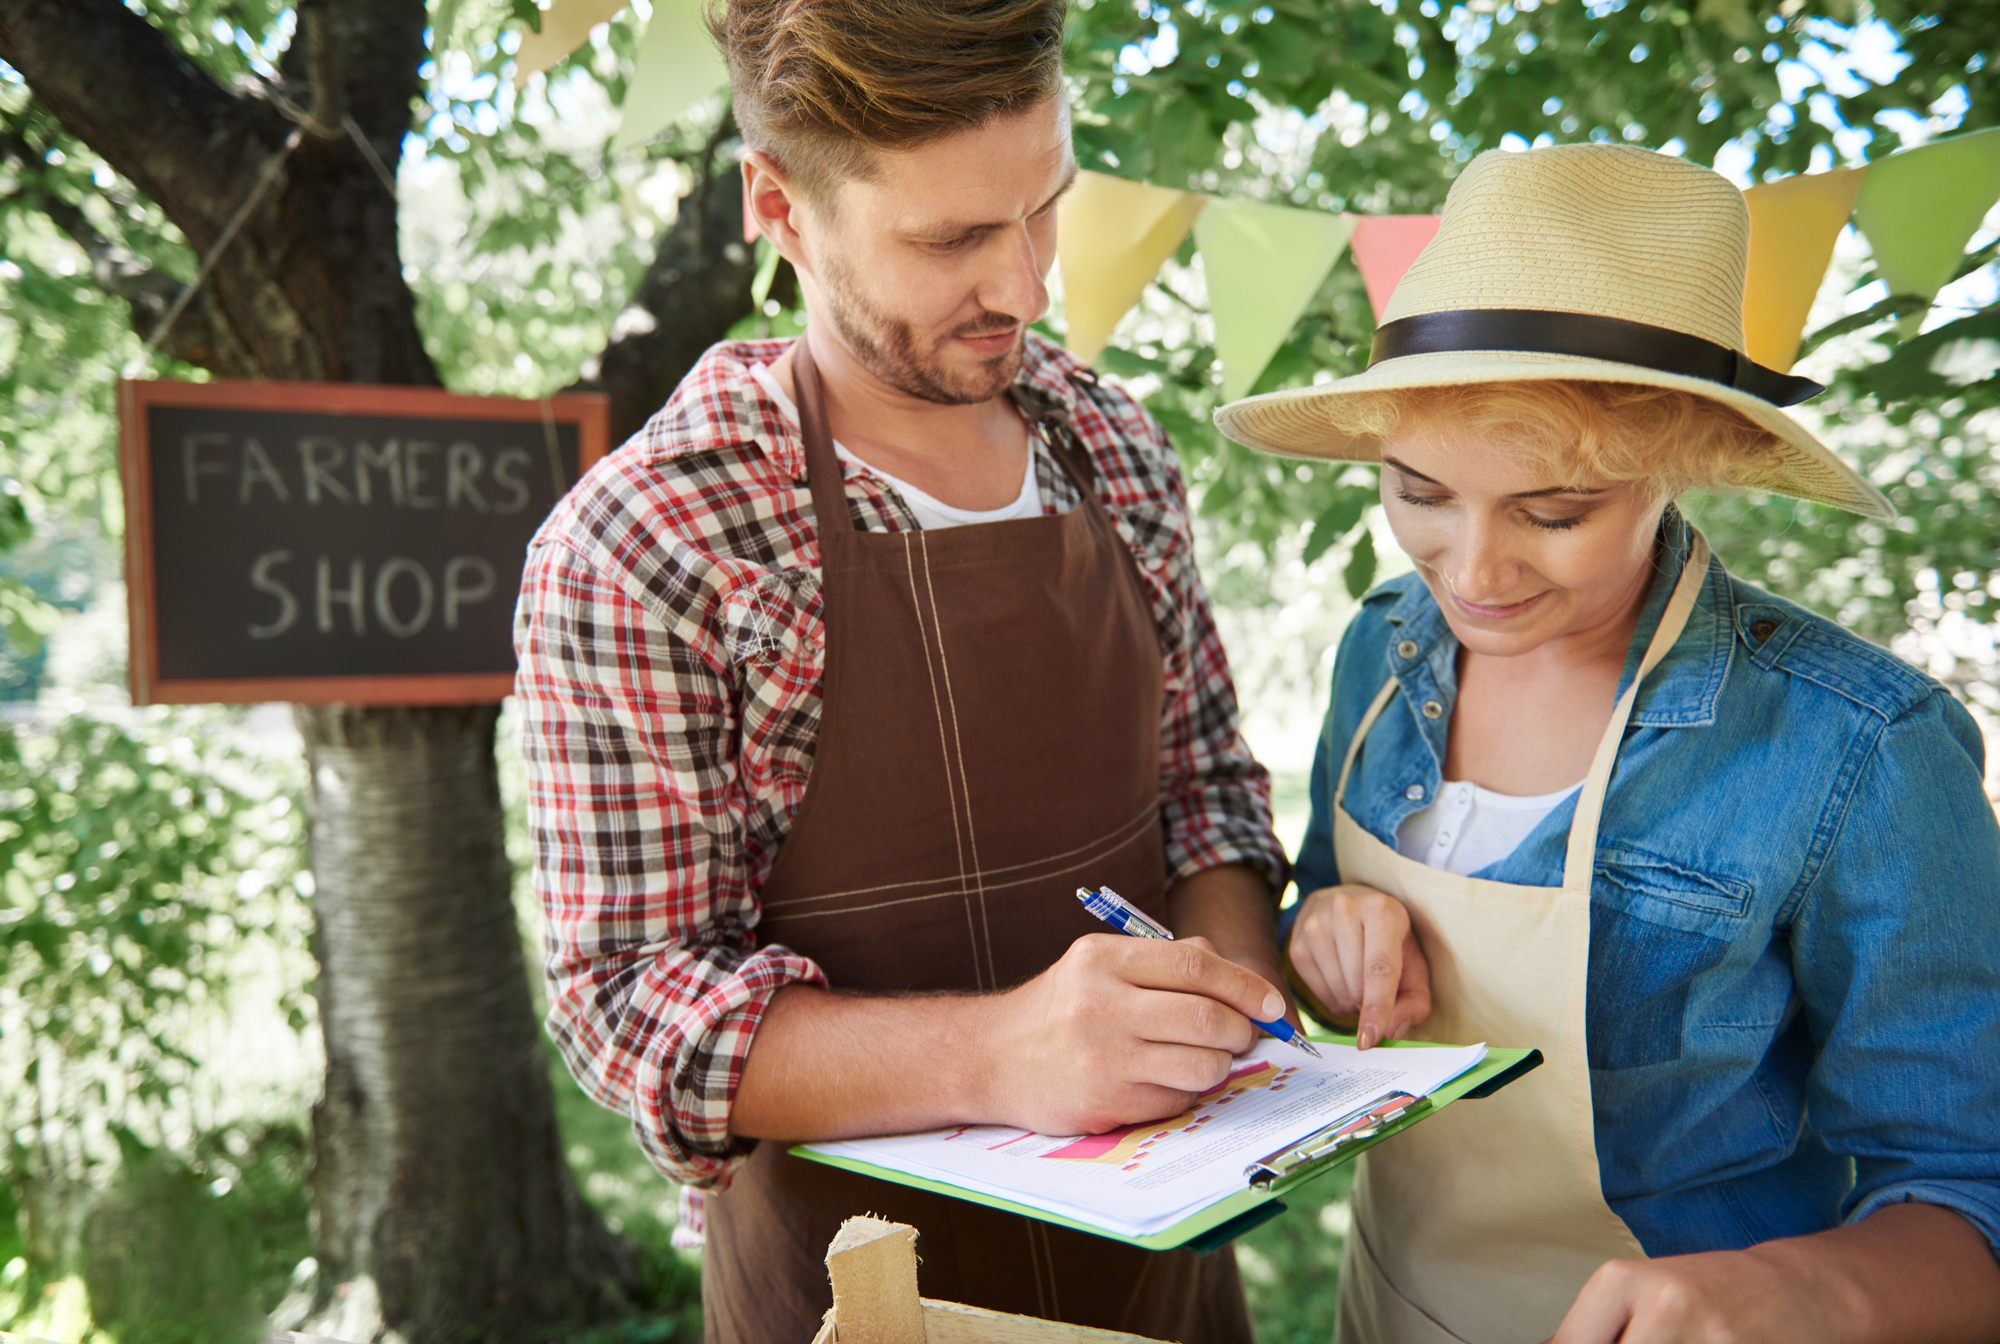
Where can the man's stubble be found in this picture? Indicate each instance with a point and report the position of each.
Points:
(888, 346)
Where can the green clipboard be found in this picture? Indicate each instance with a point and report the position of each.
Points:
(1228, 1218)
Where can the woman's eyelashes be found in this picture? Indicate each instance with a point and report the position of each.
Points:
(1555, 524)
(1564, 524)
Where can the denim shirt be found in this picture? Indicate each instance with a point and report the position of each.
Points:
(1794, 982)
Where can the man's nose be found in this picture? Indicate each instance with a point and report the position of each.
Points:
(1015, 286)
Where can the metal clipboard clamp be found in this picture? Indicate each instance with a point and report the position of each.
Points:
(1356, 1126)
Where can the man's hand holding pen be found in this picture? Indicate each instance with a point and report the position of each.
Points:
(1121, 1031)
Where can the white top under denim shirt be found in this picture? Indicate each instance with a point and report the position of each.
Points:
(1469, 828)
(1794, 989)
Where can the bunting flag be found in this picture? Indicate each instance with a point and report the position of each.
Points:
(1384, 246)
(677, 66)
(1264, 264)
(566, 25)
(1793, 225)
(1920, 207)
(1112, 237)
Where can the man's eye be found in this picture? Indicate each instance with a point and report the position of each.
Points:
(954, 244)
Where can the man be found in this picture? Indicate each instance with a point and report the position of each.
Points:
(848, 670)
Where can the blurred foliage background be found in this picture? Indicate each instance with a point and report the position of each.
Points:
(156, 1043)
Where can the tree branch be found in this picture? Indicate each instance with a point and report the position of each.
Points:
(201, 333)
(122, 88)
(329, 99)
(696, 289)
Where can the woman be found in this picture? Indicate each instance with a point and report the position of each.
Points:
(1729, 867)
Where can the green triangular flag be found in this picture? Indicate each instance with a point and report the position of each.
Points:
(676, 67)
(1919, 208)
(1264, 263)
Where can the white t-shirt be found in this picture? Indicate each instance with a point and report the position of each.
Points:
(1469, 827)
(930, 511)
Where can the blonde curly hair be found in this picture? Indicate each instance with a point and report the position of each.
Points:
(1577, 432)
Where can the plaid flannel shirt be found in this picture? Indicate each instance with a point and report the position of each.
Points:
(671, 645)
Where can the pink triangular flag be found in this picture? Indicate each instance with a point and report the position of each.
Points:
(1384, 246)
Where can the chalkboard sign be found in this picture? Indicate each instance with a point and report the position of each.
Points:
(321, 542)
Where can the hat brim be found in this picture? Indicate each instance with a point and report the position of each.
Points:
(1293, 423)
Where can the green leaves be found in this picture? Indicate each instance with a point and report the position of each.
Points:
(129, 875)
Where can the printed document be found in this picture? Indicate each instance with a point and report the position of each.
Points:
(1142, 1178)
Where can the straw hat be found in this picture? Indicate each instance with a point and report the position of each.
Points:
(1604, 263)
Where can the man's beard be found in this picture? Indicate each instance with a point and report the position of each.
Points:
(888, 347)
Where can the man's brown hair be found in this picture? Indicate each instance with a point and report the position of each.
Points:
(817, 84)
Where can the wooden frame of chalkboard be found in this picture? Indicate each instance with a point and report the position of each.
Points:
(335, 542)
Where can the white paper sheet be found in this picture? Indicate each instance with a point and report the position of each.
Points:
(1142, 1178)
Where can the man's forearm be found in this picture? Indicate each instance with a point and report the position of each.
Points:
(835, 1066)
(1117, 1031)
(1231, 907)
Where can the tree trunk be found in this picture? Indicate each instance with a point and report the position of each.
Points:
(439, 1184)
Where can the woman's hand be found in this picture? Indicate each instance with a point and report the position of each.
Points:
(1718, 1297)
(1906, 1274)
(1353, 948)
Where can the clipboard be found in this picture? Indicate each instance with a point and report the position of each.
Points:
(1262, 1197)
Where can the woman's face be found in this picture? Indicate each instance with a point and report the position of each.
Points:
(1515, 560)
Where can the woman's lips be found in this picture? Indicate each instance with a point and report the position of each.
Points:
(1481, 612)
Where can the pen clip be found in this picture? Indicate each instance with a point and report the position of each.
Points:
(1356, 1126)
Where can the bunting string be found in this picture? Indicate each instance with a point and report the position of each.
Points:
(1918, 209)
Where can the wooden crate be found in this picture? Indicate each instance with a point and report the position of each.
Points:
(873, 1266)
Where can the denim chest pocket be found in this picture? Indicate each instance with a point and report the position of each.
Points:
(1655, 928)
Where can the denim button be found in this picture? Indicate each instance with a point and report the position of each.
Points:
(1763, 630)
(1433, 710)
(1407, 649)
(1415, 793)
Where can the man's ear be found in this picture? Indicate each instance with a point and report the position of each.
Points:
(770, 202)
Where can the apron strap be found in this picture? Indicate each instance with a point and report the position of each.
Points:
(1382, 699)
(1580, 858)
(824, 476)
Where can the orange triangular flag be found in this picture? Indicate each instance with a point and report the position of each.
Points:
(1793, 225)
(1384, 246)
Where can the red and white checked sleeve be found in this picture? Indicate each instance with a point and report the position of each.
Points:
(656, 980)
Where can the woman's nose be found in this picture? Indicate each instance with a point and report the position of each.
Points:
(1478, 566)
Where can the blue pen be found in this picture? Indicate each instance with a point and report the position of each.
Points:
(1127, 918)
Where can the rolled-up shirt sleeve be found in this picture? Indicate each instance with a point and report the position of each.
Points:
(656, 983)
(1896, 950)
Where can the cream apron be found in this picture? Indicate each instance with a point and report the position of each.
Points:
(1483, 1223)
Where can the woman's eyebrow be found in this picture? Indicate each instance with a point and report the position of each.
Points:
(1543, 493)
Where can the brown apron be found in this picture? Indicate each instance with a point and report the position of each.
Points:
(989, 741)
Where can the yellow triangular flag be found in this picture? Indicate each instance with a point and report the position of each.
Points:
(1919, 207)
(1264, 263)
(1793, 225)
(677, 66)
(566, 25)
(1112, 235)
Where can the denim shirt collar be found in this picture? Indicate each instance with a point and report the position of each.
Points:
(1680, 693)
